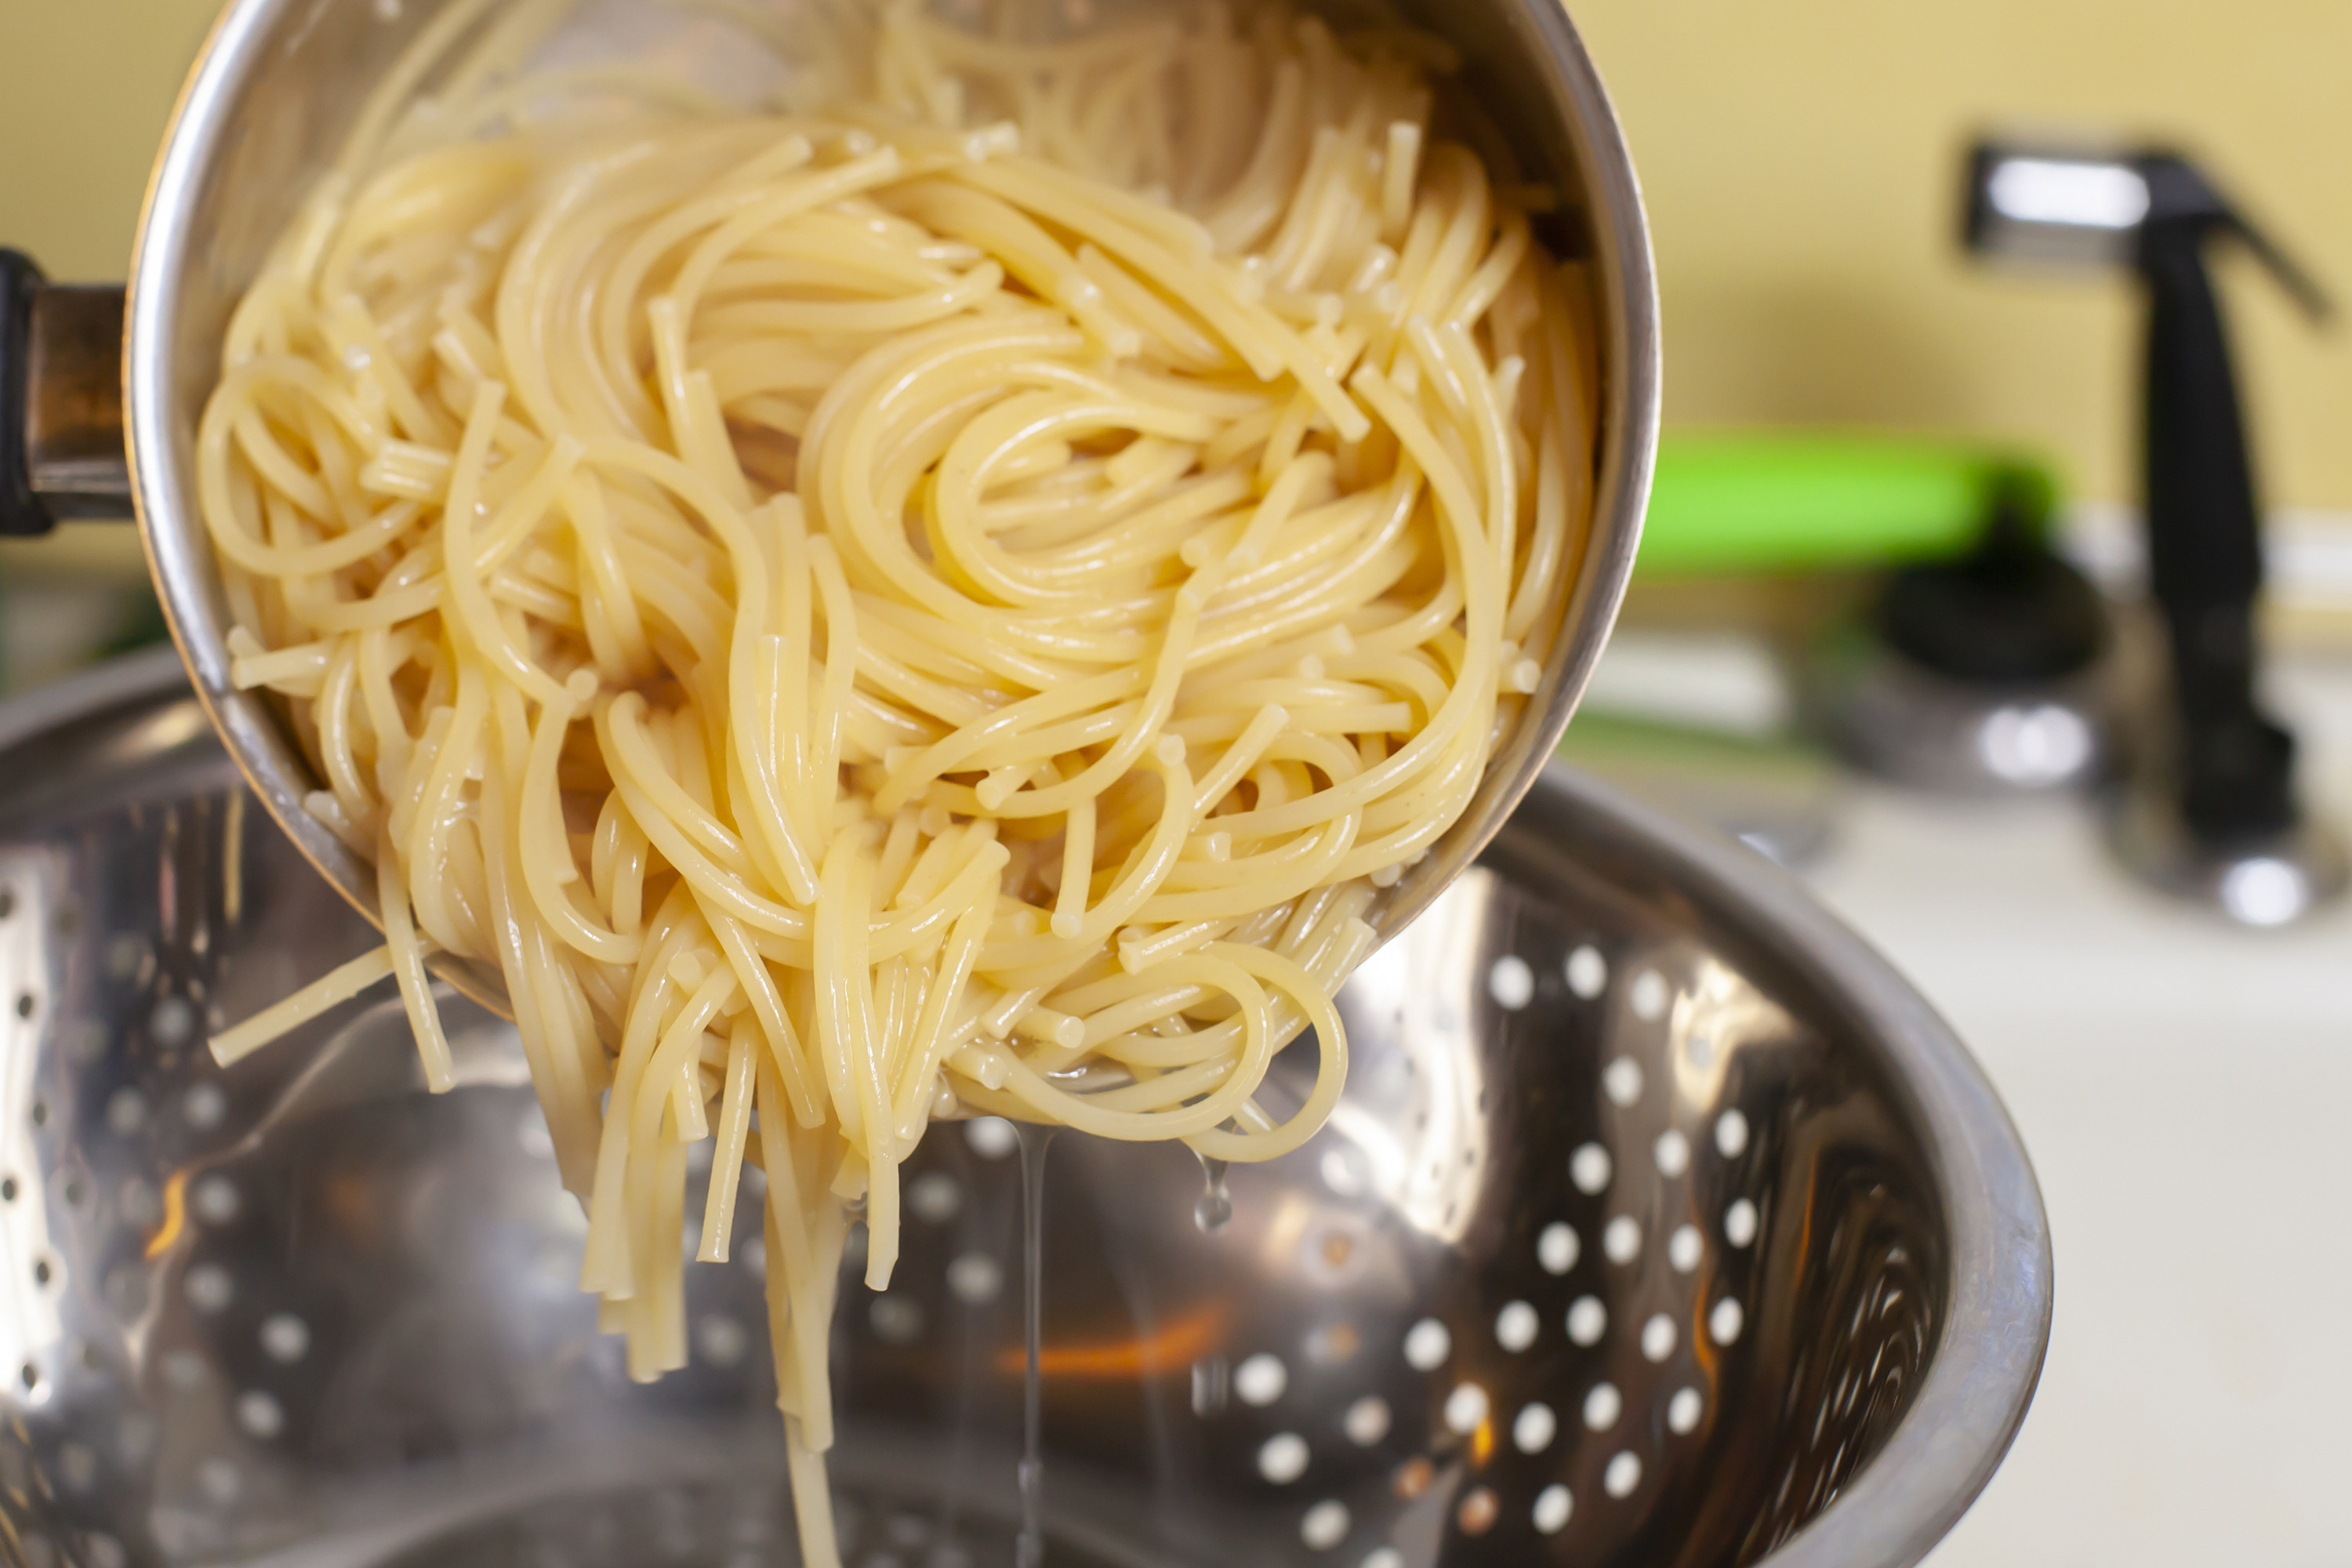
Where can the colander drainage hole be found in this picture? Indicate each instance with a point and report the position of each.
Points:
(1588, 1319)
(1622, 1240)
(126, 1112)
(1588, 974)
(721, 1341)
(975, 1279)
(1623, 1474)
(1384, 1557)
(1622, 1081)
(1260, 1380)
(1283, 1458)
(1650, 996)
(1515, 1327)
(285, 1338)
(1553, 1507)
(173, 1022)
(209, 1288)
(7, 1189)
(1535, 1428)
(1479, 1512)
(1740, 1223)
(1466, 1407)
(217, 1200)
(1556, 1248)
(1367, 1421)
(1685, 1248)
(220, 1481)
(1511, 983)
(207, 1105)
(935, 1197)
(992, 1137)
(1589, 1168)
(261, 1414)
(1325, 1526)
(1731, 1134)
(125, 955)
(1427, 1345)
(897, 1320)
(1725, 1322)
(1602, 1406)
(1683, 1410)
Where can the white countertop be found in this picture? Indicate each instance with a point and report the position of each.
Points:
(2186, 1092)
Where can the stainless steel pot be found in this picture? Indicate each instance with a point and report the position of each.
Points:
(269, 103)
(1662, 1227)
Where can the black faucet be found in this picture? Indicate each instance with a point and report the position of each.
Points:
(2212, 809)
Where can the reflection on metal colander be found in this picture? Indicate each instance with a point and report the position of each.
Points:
(1638, 1239)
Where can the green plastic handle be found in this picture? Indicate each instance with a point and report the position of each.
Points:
(1755, 503)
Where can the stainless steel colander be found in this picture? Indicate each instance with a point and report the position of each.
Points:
(1662, 1225)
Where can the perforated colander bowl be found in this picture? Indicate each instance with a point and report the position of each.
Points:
(1660, 1225)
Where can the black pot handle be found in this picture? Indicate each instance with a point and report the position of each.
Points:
(61, 445)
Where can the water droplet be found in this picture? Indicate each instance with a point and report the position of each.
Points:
(1215, 1209)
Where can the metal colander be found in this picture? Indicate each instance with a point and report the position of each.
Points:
(1660, 1225)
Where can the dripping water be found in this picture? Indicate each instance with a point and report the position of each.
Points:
(1215, 1209)
(1034, 1141)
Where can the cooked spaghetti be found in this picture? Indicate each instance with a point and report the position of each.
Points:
(953, 595)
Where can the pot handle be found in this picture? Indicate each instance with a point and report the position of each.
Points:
(61, 444)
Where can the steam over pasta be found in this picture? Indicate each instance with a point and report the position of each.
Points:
(951, 594)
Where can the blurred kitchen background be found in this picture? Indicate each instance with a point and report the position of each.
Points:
(1849, 392)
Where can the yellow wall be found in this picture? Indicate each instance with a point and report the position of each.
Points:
(1802, 160)
(1802, 163)
(85, 89)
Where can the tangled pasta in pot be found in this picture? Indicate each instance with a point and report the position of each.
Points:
(953, 595)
